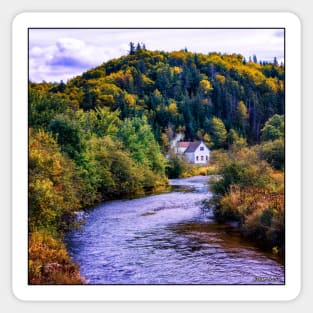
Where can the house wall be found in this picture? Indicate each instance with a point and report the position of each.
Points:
(190, 157)
(199, 156)
(180, 150)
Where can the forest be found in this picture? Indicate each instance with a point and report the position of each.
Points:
(106, 133)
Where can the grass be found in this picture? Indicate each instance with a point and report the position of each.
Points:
(198, 170)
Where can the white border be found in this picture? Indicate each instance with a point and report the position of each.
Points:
(292, 287)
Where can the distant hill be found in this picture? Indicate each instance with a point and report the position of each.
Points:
(181, 91)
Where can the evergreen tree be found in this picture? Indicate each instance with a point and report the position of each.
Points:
(138, 47)
(132, 48)
(218, 132)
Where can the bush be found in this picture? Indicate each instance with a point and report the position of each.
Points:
(243, 169)
(54, 185)
(274, 128)
(274, 153)
(49, 262)
(251, 192)
(175, 166)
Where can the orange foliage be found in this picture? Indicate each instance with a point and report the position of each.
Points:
(49, 262)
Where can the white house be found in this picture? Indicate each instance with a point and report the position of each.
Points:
(195, 152)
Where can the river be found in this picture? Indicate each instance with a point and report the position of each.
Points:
(167, 239)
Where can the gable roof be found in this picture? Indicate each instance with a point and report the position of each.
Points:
(193, 146)
(183, 144)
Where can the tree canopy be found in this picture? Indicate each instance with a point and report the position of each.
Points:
(174, 90)
(104, 134)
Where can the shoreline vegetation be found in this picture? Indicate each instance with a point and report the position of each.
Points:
(250, 192)
(105, 134)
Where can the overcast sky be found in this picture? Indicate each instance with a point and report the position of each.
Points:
(60, 54)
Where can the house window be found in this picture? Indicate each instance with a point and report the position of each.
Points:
(201, 157)
(207, 158)
(201, 148)
(197, 158)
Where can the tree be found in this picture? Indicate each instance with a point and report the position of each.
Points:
(218, 132)
(68, 134)
(101, 121)
(255, 60)
(207, 139)
(172, 108)
(137, 137)
(44, 107)
(274, 153)
(175, 166)
(242, 116)
(274, 128)
(132, 48)
(54, 186)
(205, 87)
(165, 142)
(235, 140)
(138, 47)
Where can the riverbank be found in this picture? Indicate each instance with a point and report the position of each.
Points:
(174, 221)
(166, 238)
(49, 262)
(251, 193)
(76, 160)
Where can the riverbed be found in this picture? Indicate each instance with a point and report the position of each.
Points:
(167, 238)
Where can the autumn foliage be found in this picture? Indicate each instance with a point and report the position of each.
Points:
(251, 192)
(104, 135)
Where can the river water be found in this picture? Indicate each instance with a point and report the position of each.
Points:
(167, 239)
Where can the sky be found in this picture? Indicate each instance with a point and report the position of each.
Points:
(60, 54)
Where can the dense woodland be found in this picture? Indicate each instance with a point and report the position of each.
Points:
(105, 134)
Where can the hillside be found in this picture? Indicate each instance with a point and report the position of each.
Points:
(104, 135)
(180, 91)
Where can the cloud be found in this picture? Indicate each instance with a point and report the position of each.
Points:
(60, 54)
(67, 61)
(71, 53)
(64, 59)
(69, 44)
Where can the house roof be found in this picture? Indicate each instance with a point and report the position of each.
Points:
(193, 146)
(183, 144)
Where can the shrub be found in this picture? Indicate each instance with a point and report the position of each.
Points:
(49, 262)
(244, 169)
(274, 153)
(175, 167)
(274, 128)
(54, 185)
(251, 192)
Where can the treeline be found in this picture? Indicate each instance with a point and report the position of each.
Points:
(250, 188)
(203, 95)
